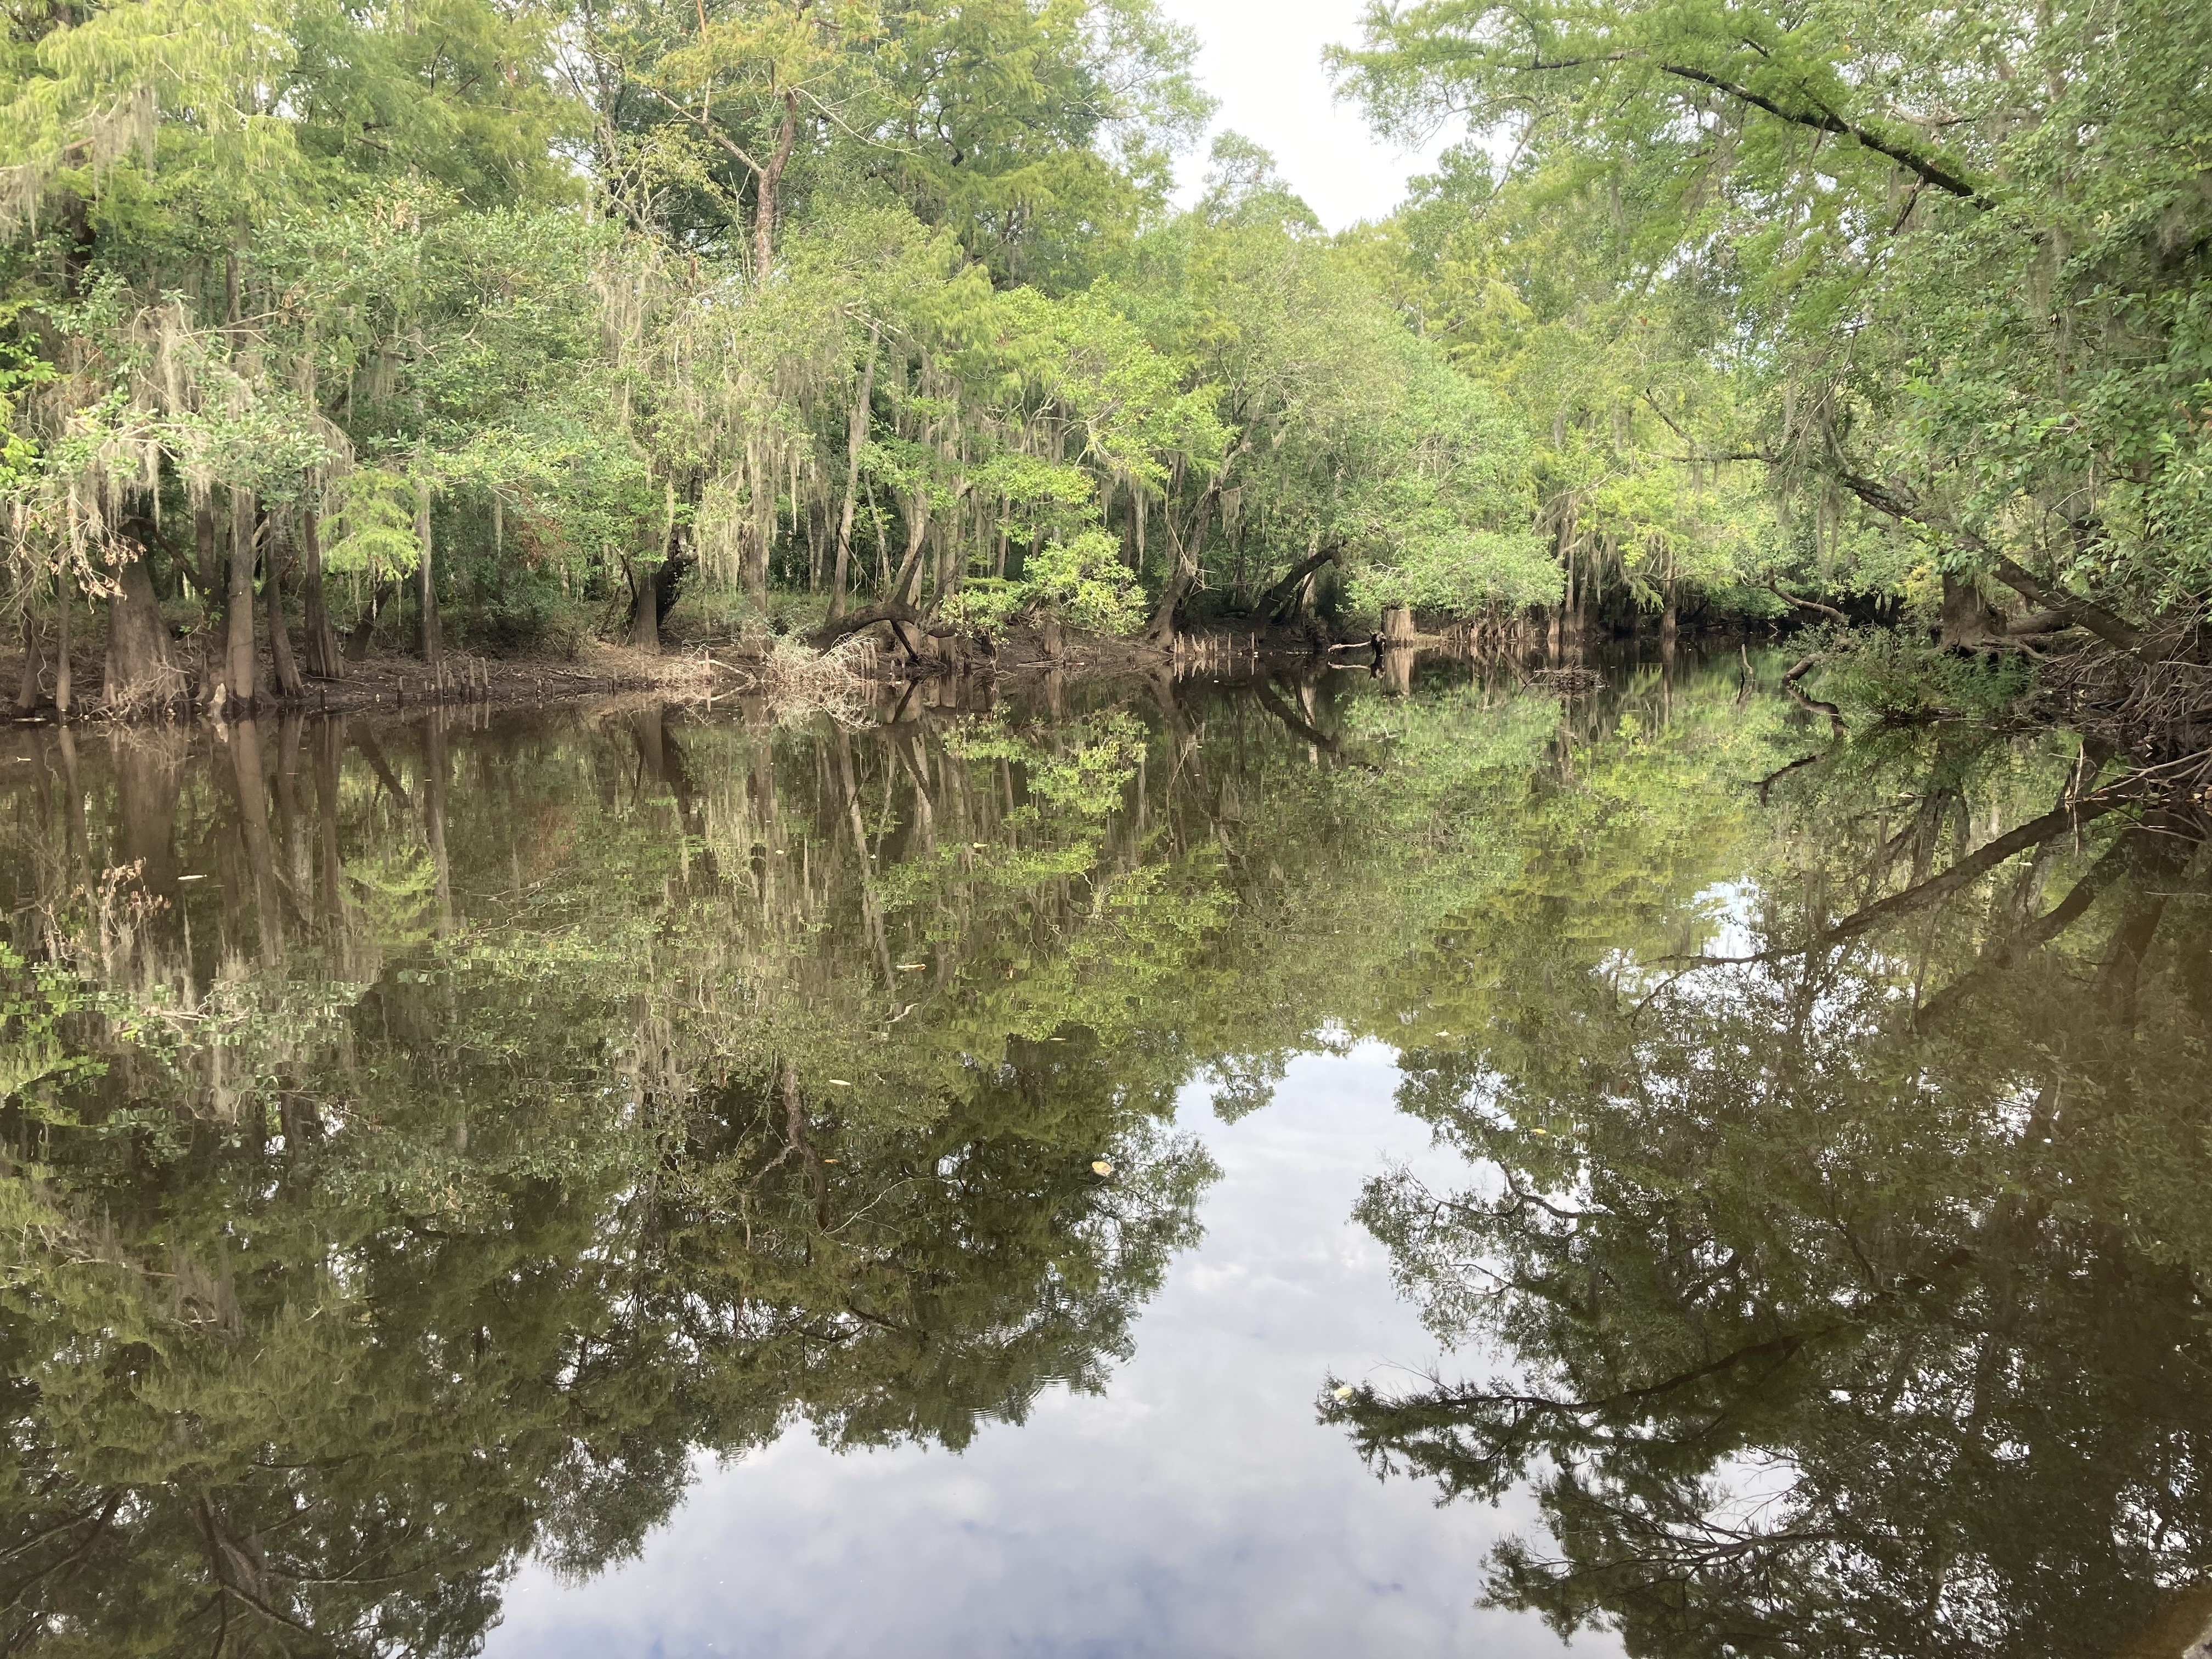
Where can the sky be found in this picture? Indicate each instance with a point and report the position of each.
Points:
(1263, 60)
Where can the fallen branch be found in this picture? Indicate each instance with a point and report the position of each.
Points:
(1779, 592)
(2123, 635)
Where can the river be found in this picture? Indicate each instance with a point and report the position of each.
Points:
(1315, 1164)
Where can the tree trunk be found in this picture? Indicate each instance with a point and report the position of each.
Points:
(29, 693)
(1161, 631)
(241, 682)
(140, 665)
(1966, 613)
(1279, 597)
(321, 640)
(756, 570)
(364, 626)
(900, 616)
(1183, 548)
(856, 440)
(2113, 630)
(645, 612)
(771, 188)
(204, 572)
(1398, 625)
(652, 598)
(284, 668)
(905, 584)
(1668, 619)
(62, 646)
(426, 584)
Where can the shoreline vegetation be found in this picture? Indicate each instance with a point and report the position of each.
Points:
(688, 666)
(502, 336)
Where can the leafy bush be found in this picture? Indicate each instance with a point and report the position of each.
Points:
(987, 604)
(1085, 582)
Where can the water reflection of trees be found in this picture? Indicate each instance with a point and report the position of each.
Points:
(421, 1173)
(1850, 1289)
(424, 1138)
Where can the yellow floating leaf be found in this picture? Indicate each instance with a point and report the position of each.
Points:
(1102, 1167)
(838, 1082)
(1344, 1393)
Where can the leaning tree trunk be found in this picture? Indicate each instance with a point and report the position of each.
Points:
(241, 672)
(141, 668)
(318, 640)
(1280, 597)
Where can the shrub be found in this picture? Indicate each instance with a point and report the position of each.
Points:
(985, 604)
(1085, 582)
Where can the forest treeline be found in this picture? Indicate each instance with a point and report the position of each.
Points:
(508, 320)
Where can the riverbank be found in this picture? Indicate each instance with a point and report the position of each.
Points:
(700, 667)
(704, 666)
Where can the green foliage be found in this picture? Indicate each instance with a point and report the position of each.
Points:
(1938, 282)
(1084, 581)
(369, 525)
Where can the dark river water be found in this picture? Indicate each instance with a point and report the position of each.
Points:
(1319, 1166)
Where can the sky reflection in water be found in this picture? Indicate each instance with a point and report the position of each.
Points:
(1196, 1509)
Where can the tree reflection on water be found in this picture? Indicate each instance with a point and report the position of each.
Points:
(425, 1138)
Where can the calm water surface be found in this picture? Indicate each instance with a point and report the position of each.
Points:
(1421, 1164)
